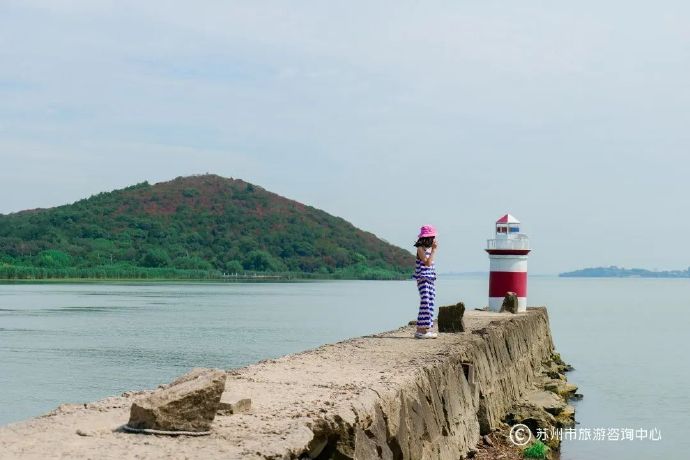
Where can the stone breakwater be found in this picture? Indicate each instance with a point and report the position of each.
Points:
(385, 396)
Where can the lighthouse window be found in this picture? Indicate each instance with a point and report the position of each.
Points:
(514, 229)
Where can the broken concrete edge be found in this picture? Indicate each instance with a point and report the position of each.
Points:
(350, 436)
(510, 303)
(234, 406)
(189, 404)
(509, 353)
(547, 407)
(541, 409)
(451, 318)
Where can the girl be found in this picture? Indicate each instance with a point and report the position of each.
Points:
(425, 274)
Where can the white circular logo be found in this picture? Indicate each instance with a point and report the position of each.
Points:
(520, 434)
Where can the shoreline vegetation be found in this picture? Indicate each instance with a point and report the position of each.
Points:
(620, 272)
(192, 228)
(109, 273)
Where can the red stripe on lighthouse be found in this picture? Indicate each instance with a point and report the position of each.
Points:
(502, 282)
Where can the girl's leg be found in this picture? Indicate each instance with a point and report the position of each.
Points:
(432, 302)
(423, 317)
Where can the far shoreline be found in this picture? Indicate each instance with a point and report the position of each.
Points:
(135, 273)
(181, 280)
(614, 271)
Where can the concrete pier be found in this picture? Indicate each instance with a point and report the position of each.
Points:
(384, 396)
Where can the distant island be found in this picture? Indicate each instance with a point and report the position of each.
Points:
(620, 272)
(197, 227)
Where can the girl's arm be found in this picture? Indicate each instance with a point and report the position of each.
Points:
(427, 260)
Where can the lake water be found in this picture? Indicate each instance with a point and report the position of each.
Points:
(80, 342)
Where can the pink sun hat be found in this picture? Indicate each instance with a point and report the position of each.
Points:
(427, 231)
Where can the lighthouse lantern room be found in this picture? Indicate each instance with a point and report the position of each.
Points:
(508, 252)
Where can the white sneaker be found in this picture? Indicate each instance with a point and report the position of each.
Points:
(425, 335)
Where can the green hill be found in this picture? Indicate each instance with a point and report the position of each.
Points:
(191, 227)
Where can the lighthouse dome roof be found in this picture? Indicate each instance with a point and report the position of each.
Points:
(508, 219)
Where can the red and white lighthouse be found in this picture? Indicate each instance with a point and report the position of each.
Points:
(508, 263)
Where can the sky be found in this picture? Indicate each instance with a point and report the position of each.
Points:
(573, 116)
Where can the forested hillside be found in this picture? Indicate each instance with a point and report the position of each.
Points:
(190, 227)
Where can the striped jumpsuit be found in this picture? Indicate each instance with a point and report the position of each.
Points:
(425, 276)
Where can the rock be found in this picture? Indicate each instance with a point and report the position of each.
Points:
(450, 318)
(321, 429)
(510, 303)
(557, 359)
(190, 403)
(532, 416)
(550, 402)
(189, 376)
(552, 386)
(542, 410)
(553, 371)
(567, 417)
(561, 366)
(535, 418)
(412, 323)
(229, 406)
(561, 388)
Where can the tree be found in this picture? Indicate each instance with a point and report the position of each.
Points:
(53, 258)
(261, 261)
(233, 266)
(155, 257)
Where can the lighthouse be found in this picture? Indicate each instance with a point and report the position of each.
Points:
(508, 252)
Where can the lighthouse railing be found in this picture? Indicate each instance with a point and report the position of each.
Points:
(517, 243)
